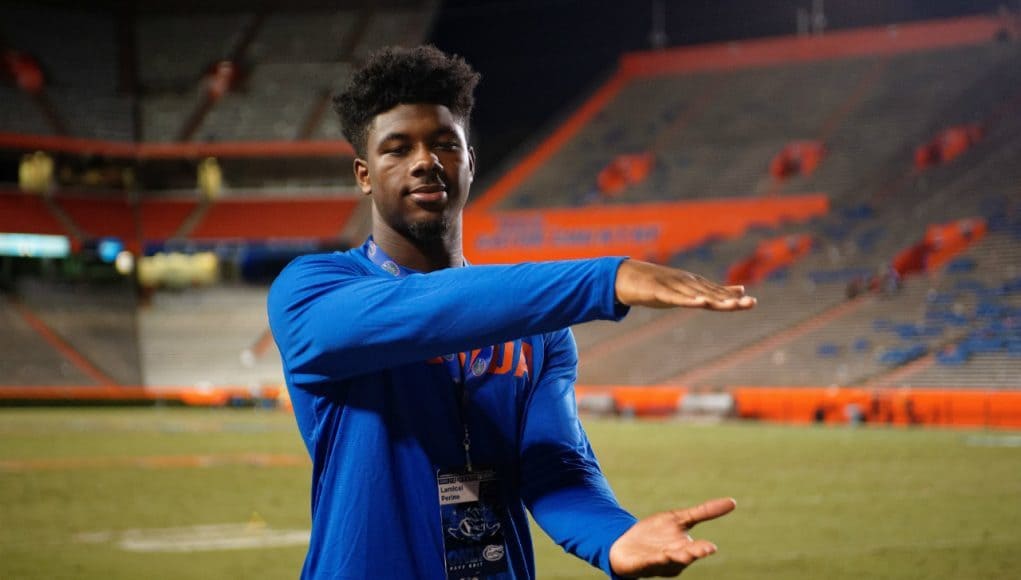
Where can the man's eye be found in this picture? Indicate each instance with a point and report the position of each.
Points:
(396, 150)
(449, 145)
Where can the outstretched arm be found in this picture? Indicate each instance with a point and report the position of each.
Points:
(331, 322)
(660, 544)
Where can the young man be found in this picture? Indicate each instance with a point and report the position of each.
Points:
(437, 399)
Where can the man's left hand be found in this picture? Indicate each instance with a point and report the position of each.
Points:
(659, 545)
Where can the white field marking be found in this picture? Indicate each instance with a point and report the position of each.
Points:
(203, 538)
(857, 552)
(993, 441)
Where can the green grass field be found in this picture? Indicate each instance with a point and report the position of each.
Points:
(90, 493)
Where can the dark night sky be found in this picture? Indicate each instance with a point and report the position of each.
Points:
(538, 57)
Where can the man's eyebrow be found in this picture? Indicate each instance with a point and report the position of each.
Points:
(394, 137)
(440, 132)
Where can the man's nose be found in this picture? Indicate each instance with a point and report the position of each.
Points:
(425, 161)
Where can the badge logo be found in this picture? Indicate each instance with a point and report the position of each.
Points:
(372, 249)
(479, 366)
(392, 268)
(474, 525)
(493, 552)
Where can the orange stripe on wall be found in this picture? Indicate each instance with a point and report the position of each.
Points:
(652, 231)
(881, 40)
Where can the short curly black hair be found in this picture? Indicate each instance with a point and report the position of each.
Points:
(395, 75)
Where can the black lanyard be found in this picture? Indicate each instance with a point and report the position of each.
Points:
(461, 385)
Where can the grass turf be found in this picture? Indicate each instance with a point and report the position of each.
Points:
(812, 502)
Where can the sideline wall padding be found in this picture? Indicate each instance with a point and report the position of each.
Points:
(897, 406)
(803, 405)
(127, 395)
(800, 405)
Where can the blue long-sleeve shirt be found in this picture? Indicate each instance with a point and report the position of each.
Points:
(380, 413)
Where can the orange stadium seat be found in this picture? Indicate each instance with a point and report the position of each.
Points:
(102, 217)
(27, 214)
(797, 158)
(948, 145)
(624, 171)
(769, 256)
(161, 218)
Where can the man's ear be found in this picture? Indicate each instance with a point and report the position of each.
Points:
(361, 169)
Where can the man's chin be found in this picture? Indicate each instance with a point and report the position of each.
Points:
(428, 230)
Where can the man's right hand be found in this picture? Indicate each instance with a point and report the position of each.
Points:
(659, 545)
(646, 284)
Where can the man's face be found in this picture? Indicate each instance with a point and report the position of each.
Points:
(418, 169)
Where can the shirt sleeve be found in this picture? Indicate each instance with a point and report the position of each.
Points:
(332, 321)
(561, 482)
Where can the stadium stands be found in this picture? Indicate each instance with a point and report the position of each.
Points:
(871, 112)
(291, 64)
(81, 75)
(97, 322)
(272, 108)
(985, 305)
(167, 64)
(26, 358)
(304, 37)
(827, 318)
(702, 338)
(200, 337)
(20, 114)
(918, 94)
(404, 26)
(804, 333)
(853, 248)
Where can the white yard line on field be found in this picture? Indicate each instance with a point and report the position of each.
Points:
(201, 538)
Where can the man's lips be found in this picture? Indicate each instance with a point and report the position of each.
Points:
(429, 193)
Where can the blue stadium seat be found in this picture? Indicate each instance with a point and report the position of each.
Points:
(828, 350)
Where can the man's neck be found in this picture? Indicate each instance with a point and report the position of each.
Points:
(422, 256)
